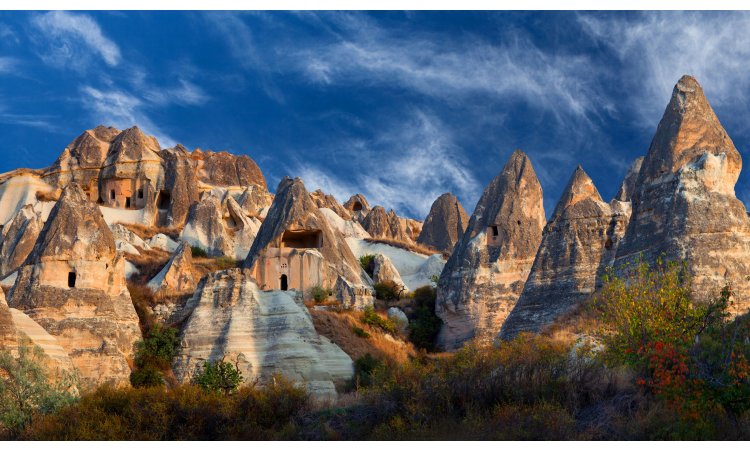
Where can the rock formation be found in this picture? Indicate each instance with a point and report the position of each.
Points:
(384, 271)
(357, 206)
(73, 285)
(19, 237)
(579, 241)
(445, 223)
(224, 169)
(684, 206)
(264, 333)
(382, 225)
(629, 183)
(254, 200)
(324, 200)
(296, 247)
(485, 275)
(176, 277)
(180, 186)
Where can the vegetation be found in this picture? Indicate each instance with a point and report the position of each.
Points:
(370, 317)
(153, 356)
(218, 376)
(198, 252)
(366, 261)
(388, 291)
(225, 262)
(364, 368)
(360, 332)
(425, 326)
(319, 293)
(25, 389)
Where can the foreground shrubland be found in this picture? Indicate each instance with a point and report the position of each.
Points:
(641, 361)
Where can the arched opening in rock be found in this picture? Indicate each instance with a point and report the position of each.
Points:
(284, 283)
(163, 200)
(112, 194)
(127, 202)
(71, 279)
(357, 206)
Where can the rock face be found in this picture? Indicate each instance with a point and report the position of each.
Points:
(19, 238)
(579, 242)
(254, 199)
(263, 332)
(324, 200)
(17, 329)
(445, 223)
(219, 226)
(176, 277)
(357, 206)
(628, 185)
(385, 225)
(296, 247)
(225, 169)
(73, 285)
(384, 271)
(485, 275)
(180, 185)
(684, 205)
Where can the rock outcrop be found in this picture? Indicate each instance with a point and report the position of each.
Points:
(264, 333)
(384, 271)
(357, 206)
(579, 242)
(296, 247)
(385, 225)
(180, 186)
(176, 277)
(684, 206)
(324, 200)
(19, 237)
(224, 169)
(485, 275)
(445, 223)
(73, 285)
(628, 185)
(254, 200)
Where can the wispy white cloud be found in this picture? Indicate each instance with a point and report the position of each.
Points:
(185, 93)
(406, 167)
(69, 37)
(8, 64)
(123, 110)
(657, 48)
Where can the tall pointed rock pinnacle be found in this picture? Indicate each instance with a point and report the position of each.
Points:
(684, 206)
(484, 276)
(579, 241)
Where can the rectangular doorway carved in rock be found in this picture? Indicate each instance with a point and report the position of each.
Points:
(71, 279)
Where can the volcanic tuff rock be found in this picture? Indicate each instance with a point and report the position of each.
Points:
(19, 238)
(181, 181)
(324, 200)
(684, 205)
(628, 185)
(382, 225)
(254, 199)
(485, 275)
(357, 206)
(176, 277)
(225, 169)
(73, 285)
(293, 210)
(81, 161)
(579, 242)
(384, 270)
(445, 223)
(264, 333)
(17, 329)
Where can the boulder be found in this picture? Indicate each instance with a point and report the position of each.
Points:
(485, 275)
(578, 244)
(19, 237)
(445, 223)
(398, 317)
(176, 277)
(73, 285)
(285, 252)
(263, 333)
(684, 206)
(384, 271)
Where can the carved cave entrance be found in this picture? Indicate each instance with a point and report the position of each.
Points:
(302, 239)
(284, 283)
(71, 279)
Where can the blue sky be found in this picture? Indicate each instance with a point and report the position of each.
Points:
(399, 106)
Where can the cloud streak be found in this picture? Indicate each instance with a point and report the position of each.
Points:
(71, 34)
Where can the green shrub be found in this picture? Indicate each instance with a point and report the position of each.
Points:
(225, 262)
(218, 376)
(425, 326)
(361, 332)
(363, 369)
(319, 293)
(370, 317)
(388, 290)
(366, 261)
(198, 252)
(25, 389)
(153, 356)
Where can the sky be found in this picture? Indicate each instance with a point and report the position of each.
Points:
(399, 106)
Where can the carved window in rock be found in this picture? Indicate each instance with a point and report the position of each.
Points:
(494, 235)
(140, 193)
(112, 194)
(302, 239)
(71, 279)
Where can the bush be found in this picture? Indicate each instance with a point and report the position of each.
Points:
(319, 293)
(360, 332)
(370, 317)
(388, 290)
(425, 326)
(25, 389)
(366, 261)
(224, 262)
(218, 376)
(198, 252)
(153, 356)
(363, 369)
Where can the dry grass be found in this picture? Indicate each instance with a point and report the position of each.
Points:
(147, 232)
(409, 246)
(149, 263)
(582, 320)
(339, 328)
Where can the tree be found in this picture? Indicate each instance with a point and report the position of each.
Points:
(218, 376)
(154, 355)
(25, 388)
